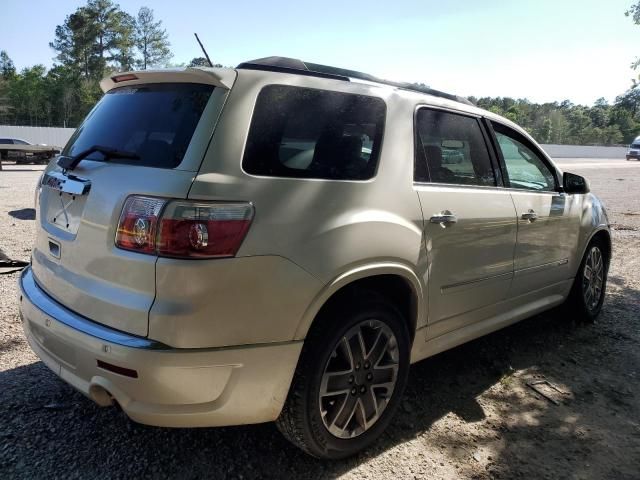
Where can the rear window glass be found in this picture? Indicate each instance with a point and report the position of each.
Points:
(308, 133)
(450, 148)
(153, 121)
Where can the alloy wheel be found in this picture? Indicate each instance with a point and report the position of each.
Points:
(593, 278)
(359, 379)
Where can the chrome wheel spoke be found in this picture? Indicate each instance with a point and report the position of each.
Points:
(360, 416)
(345, 413)
(378, 349)
(334, 383)
(384, 377)
(369, 405)
(356, 343)
(346, 348)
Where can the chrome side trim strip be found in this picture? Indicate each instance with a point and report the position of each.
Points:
(53, 309)
(459, 286)
(544, 266)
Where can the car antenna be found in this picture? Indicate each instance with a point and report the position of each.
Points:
(203, 50)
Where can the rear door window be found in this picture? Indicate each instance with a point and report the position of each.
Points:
(450, 148)
(307, 133)
(153, 121)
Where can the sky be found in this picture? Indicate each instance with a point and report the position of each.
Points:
(543, 50)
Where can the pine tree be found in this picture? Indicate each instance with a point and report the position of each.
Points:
(151, 40)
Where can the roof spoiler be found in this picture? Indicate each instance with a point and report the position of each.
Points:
(218, 77)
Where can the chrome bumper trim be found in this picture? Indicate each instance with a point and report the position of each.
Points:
(43, 302)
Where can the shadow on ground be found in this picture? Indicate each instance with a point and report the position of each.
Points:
(23, 214)
(46, 427)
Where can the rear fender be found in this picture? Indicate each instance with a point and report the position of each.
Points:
(358, 273)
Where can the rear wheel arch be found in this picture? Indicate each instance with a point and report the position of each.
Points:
(396, 283)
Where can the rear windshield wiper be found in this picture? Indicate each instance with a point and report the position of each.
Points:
(69, 163)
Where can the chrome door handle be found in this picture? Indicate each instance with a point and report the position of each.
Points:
(530, 215)
(444, 218)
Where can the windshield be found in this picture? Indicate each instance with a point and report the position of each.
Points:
(153, 121)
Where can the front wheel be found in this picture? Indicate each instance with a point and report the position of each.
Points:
(588, 291)
(349, 380)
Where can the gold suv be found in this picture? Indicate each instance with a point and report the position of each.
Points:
(279, 241)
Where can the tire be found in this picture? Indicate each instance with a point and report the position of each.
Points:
(323, 355)
(585, 302)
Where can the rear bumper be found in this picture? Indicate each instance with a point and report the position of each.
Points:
(174, 387)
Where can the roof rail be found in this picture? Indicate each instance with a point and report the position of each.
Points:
(298, 67)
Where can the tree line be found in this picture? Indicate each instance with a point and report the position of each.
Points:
(566, 123)
(94, 41)
(100, 38)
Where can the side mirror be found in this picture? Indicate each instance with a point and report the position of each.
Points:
(572, 183)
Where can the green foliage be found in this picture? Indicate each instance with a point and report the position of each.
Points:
(201, 62)
(95, 38)
(566, 123)
(152, 40)
(7, 68)
(100, 38)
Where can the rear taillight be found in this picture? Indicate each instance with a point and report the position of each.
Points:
(182, 228)
(138, 224)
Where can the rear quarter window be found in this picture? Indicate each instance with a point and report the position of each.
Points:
(154, 121)
(307, 133)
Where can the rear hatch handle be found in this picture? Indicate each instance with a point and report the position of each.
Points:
(69, 163)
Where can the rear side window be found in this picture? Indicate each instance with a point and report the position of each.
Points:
(450, 148)
(307, 133)
(153, 121)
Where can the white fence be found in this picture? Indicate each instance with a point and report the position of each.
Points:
(578, 151)
(57, 137)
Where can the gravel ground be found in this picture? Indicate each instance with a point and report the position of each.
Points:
(467, 413)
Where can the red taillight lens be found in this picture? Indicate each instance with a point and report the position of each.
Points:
(185, 229)
(138, 224)
(125, 77)
(203, 230)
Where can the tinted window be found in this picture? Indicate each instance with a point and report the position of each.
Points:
(155, 121)
(6, 141)
(19, 142)
(450, 148)
(525, 167)
(307, 133)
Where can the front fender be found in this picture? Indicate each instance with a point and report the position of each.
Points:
(594, 219)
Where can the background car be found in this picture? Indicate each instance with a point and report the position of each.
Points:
(634, 150)
(23, 156)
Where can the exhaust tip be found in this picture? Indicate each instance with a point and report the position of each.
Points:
(101, 396)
